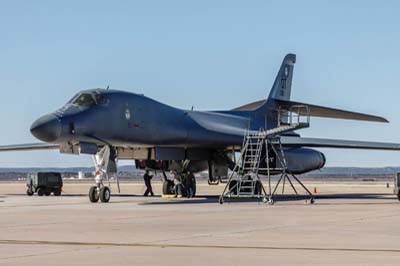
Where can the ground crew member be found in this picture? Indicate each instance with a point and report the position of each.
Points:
(147, 181)
(178, 185)
(190, 179)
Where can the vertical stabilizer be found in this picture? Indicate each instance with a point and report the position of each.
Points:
(281, 89)
(283, 83)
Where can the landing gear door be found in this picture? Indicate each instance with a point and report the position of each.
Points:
(217, 170)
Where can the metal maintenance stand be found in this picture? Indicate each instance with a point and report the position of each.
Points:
(262, 146)
(284, 173)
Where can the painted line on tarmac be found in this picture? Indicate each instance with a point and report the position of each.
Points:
(112, 244)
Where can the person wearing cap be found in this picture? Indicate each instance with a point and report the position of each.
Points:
(147, 181)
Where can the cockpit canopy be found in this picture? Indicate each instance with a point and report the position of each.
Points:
(89, 99)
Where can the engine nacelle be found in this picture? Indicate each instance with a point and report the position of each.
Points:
(303, 160)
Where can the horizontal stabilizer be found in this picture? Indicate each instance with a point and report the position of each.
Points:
(250, 106)
(292, 141)
(29, 147)
(316, 110)
(321, 111)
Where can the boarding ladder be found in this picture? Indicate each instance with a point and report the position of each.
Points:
(244, 180)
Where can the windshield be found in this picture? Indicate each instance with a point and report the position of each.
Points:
(89, 99)
(85, 99)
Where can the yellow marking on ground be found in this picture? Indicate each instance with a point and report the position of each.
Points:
(170, 196)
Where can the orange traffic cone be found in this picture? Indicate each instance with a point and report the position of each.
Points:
(315, 190)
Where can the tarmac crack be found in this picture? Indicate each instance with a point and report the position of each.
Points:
(33, 224)
(170, 245)
(47, 253)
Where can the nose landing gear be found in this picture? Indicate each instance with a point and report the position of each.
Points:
(100, 191)
(103, 194)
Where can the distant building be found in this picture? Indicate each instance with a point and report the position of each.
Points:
(81, 175)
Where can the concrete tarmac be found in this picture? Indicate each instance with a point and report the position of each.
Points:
(359, 227)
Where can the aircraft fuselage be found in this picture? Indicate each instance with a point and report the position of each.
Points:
(130, 119)
(122, 119)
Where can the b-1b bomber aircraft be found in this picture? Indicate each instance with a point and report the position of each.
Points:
(114, 125)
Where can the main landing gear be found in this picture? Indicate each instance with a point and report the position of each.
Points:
(169, 186)
(100, 191)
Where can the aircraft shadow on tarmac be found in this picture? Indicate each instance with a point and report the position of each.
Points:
(383, 199)
(206, 199)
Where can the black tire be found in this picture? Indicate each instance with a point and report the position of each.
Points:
(29, 192)
(57, 192)
(257, 188)
(232, 187)
(40, 191)
(47, 192)
(168, 187)
(93, 195)
(105, 194)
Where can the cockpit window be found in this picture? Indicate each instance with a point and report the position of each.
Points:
(90, 99)
(85, 99)
(101, 99)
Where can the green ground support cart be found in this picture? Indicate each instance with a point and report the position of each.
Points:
(44, 183)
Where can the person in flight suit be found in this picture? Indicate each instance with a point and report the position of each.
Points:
(147, 181)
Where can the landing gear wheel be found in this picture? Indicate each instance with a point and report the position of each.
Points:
(221, 201)
(40, 191)
(93, 195)
(57, 192)
(29, 192)
(168, 187)
(105, 194)
(47, 192)
(233, 187)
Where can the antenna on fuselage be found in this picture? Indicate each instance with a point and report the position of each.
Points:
(108, 86)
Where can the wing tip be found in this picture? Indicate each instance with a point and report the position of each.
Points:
(381, 119)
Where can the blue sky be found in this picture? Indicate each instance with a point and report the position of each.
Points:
(206, 54)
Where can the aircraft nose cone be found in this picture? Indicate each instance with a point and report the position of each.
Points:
(47, 128)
